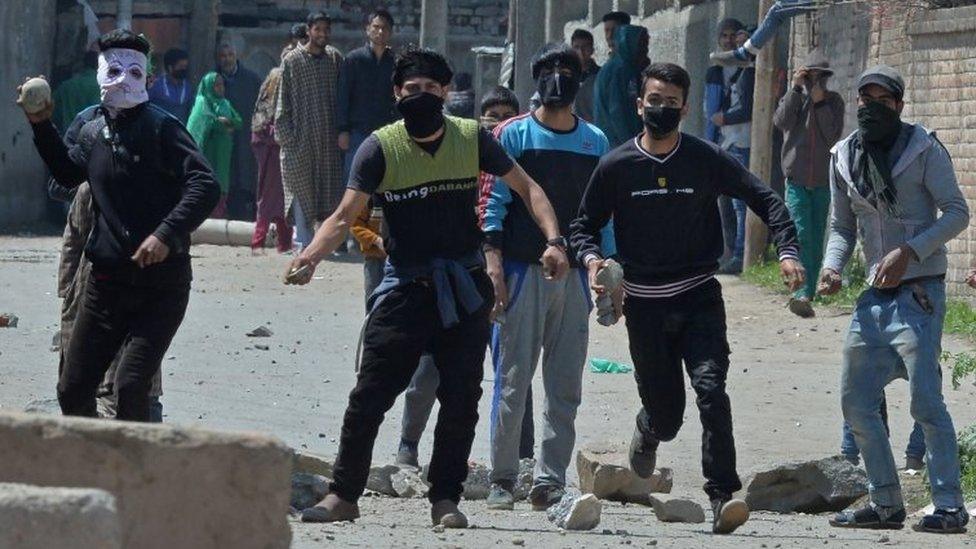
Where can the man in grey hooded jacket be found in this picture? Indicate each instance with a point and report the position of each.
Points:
(889, 181)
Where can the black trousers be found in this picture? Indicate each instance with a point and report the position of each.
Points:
(688, 328)
(402, 327)
(110, 315)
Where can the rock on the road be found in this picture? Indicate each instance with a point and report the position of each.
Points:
(307, 462)
(605, 475)
(668, 508)
(576, 511)
(307, 490)
(380, 480)
(80, 518)
(407, 483)
(829, 484)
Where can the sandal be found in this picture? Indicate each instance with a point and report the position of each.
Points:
(944, 521)
(871, 517)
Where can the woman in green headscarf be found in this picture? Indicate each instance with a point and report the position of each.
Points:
(212, 124)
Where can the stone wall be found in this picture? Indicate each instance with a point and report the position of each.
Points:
(174, 487)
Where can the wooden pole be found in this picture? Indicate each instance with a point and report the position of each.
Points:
(761, 157)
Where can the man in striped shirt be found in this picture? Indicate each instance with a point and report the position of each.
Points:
(661, 188)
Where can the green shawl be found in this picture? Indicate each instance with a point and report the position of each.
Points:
(215, 139)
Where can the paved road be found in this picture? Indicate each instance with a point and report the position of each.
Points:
(783, 384)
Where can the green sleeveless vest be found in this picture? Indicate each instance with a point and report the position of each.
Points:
(409, 166)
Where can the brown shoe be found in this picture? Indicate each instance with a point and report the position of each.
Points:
(802, 308)
(446, 513)
(331, 509)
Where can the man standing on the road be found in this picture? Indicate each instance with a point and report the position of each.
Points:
(305, 127)
(889, 182)
(365, 95)
(617, 83)
(715, 101)
(559, 151)
(150, 187)
(435, 297)
(241, 88)
(811, 118)
(582, 42)
(660, 188)
(734, 122)
(611, 22)
(173, 91)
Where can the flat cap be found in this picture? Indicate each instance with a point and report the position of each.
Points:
(884, 76)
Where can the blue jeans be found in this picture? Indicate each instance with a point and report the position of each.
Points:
(155, 410)
(781, 12)
(739, 249)
(914, 449)
(898, 334)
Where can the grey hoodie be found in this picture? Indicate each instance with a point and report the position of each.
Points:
(925, 183)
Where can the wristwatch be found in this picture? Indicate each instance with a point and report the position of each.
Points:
(559, 242)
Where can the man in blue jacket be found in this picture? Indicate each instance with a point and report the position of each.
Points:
(615, 93)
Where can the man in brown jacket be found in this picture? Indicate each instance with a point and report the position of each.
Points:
(812, 120)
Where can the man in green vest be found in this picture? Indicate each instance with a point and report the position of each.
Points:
(435, 296)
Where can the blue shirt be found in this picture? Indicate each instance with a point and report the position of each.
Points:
(561, 162)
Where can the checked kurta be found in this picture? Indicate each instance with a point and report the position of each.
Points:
(305, 127)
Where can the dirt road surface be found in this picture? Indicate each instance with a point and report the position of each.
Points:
(783, 383)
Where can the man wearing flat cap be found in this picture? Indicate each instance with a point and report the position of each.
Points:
(889, 181)
(811, 119)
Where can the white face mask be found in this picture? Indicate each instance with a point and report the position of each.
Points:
(122, 78)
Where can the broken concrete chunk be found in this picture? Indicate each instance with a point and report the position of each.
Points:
(8, 320)
(80, 518)
(668, 508)
(43, 406)
(478, 482)
(576, 511)
(605, 475)
(260, 331)
(307, 490)
(307, 462)
(829, 484)
(407, 483)
(379, 480)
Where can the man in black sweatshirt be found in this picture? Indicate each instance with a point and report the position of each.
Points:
(661, 188)
(151, 187)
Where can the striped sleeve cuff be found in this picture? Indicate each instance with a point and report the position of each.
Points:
(789, 252)
(591, 256)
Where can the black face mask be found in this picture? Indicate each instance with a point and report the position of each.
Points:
(423, 114)
(877, 123)
(179, 74)
(558, 90)
(661, 121)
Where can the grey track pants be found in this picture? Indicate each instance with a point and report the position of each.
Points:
(548, 318)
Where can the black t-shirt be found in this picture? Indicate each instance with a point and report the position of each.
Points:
(437, 219)
(369, 165)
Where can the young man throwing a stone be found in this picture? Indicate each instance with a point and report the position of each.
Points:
(889, 182)
(435, 297)
(151, 187)
(661, 190)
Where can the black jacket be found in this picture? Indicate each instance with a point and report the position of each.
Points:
(147, 178)
(665, 216)
(365, 91)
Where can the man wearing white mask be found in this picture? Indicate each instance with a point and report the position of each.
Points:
(151, 187)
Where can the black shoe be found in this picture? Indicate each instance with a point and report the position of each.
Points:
(728, 514)
(944, 521)
(643, 453)
(544, 496)
(871, 517)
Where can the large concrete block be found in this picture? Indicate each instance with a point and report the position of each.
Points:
(80, 518)
(174, 487)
